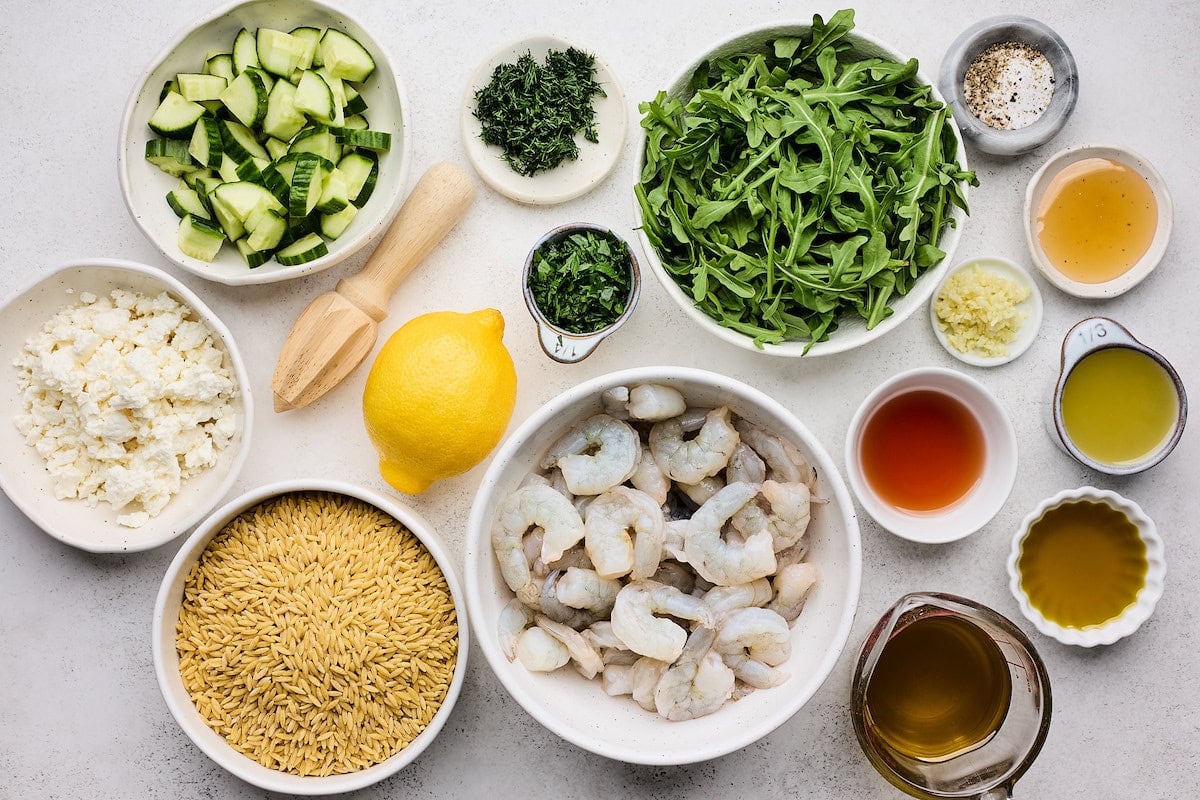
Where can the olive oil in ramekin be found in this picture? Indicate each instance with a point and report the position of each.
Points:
(1082, 564)
(941, 687)
(1096, 220)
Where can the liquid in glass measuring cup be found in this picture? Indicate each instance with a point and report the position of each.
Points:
(949, 699)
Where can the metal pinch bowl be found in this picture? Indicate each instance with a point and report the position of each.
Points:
(561, 345)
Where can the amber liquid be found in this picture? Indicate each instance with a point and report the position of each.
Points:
(1096, 220)
(1082, 564)
(941, 688)
(922, 451)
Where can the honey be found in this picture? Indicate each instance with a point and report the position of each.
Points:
(1096, 220)
(941, 687)
(1082, 564)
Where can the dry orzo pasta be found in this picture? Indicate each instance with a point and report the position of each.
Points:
(317, 634)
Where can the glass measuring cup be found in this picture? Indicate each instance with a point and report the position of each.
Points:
(989, 769)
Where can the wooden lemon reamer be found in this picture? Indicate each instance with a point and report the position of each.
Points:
(334, 334)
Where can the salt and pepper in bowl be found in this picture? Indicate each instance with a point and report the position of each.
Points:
(1011, 82)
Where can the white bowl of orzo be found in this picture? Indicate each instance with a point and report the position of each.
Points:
(310, 637)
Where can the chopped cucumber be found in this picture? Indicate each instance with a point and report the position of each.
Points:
(170, 155)
(199, 238)
(175, 116)
(334, 225)
(271, 145)
(205, 146)
(310, 248)
(344, 57)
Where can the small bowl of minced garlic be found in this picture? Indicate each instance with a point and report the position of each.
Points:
(986, 311)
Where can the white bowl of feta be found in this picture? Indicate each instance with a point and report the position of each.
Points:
(126, 412)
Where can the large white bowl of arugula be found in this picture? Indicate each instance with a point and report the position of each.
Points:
(802, 188)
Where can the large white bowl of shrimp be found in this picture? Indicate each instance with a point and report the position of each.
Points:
(662, 565)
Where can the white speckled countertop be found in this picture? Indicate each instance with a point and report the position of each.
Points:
(80, 713)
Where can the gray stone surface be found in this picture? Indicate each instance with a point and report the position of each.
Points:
(80, 713)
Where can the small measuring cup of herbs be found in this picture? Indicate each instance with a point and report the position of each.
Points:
(581, 282)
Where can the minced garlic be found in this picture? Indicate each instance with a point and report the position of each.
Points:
(977, 311)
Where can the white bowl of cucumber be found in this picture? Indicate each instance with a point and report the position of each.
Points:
(246, 153)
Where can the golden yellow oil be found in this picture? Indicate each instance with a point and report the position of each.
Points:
(1096, 220)
(1082, 564)
(941, 687)
(1119, 405)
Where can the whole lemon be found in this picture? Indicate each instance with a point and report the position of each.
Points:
(439, 396)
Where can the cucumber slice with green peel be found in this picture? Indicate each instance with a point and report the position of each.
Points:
(205, 145)
(334, 194)
(279, 52)
(267, 232)
(356, 123)
(307, 182)
(228, 171)
(220, 64)
(314, 97)
(245, 51)
(175, 117)
(361, 171)
(196, 87)
(254, 258)
(205, 186)
(336, 85)
(273, 177)
(184, 201)
(344, 57)
(251, 170)
(311, 38)
(355, 104)
(167, 88)
(240, 142)
(191, 177)
(309, 248)
(199, 238)
(276, 148)
(379, 141)
(298, 229)
(243, 198)
(226, 217)
(170, 155)
(334, 225)
(318, 142)
(267, 78)
(246, 98)
(283, 120)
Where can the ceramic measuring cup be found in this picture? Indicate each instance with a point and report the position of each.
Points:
(988, 770)
(1089, 336)
(562, 345)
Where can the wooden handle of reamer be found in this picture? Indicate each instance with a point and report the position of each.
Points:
(437, 203)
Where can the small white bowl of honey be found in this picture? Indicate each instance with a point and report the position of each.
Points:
(1097, 220)
(1086, 567)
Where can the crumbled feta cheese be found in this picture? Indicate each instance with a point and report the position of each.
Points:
(125, 397)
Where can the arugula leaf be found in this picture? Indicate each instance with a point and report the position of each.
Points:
(799, 184)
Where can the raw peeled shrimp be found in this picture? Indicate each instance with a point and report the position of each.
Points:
(601, 636)
(654, 402)
(752, 641)
(583, 588)
(723, 562)
(786, 516)
(634, 621)
(645, 675)
(553, 608)
(532, 506)
(674, 536)
(616, 402)
(792, 585)
(787, 464)
(697, 683)
(617, 449)
(607, 525)
(703, 489)
(514, 619)
(694, 459)
(541, 652)
(617, 679)
(722, 600)
(582, 653)
(745, 466)
(672, 573)
(649, 478)
(618, 657)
